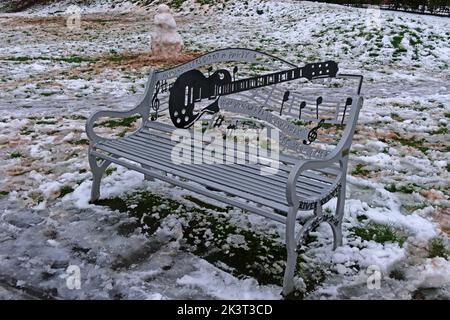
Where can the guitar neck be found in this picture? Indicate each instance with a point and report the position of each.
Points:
(258, 81)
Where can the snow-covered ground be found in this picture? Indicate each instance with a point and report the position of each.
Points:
(144, 239)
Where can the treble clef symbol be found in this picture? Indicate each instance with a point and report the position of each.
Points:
(155, 101)
(312, 135)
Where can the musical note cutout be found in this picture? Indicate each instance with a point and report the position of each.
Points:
(312, 134)
(348, 102)
(164, 86)
(318, 103)
(155, 101)
(232, 126)
(218, 121)
(302, 106)
(235, 70)
(285, 98)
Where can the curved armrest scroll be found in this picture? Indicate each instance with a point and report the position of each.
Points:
(142, 108)
(93, 137)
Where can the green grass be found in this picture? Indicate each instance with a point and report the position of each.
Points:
(396, 117)
(437, 248)
(404, 189)
(75, 59)
(64, 191)
(260, 255)
(412, 142)
(332, 125)
(360, 170)
(69, 59)
(413, 207)
(46, 122)
(397, 274)
(20, 59)
(176, 3)
(298, 122)
(48, 94)
(396, 43)
(380, 233)
(441, 130)
(15, 154)
(110, 170)
(80, 142)
(124, 122)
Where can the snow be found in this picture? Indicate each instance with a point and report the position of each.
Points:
(224, 286)
(45, 99)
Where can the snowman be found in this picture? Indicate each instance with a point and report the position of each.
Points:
(166, 41)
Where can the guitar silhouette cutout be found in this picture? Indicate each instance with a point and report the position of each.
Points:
(193, 86)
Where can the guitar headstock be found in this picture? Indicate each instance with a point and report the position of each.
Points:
(320, 70)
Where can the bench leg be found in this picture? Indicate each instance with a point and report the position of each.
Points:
(291, 246)
(97, 173)
(336, 226)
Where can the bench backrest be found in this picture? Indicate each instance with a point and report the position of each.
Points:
(311, 117)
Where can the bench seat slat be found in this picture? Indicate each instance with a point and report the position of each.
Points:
(255, 182)
(157, 127)
(332, 170)
(213, 172)
(252, 173)
(205, 182)
(275, 197)
(189, 186)
(311, 180)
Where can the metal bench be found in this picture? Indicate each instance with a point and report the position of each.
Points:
(313, 134)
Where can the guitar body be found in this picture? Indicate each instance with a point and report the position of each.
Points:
(191, 87)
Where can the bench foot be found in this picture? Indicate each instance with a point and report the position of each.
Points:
(337, 234)
(97, 173)
(339, 215)
(291, 246)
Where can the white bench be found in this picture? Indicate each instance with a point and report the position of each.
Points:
(308, 171)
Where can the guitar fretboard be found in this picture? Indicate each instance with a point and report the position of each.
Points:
(258, 81)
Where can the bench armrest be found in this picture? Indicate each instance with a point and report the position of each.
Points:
(298, 169)
(142, 108)
(338, 155)
(95, 138)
